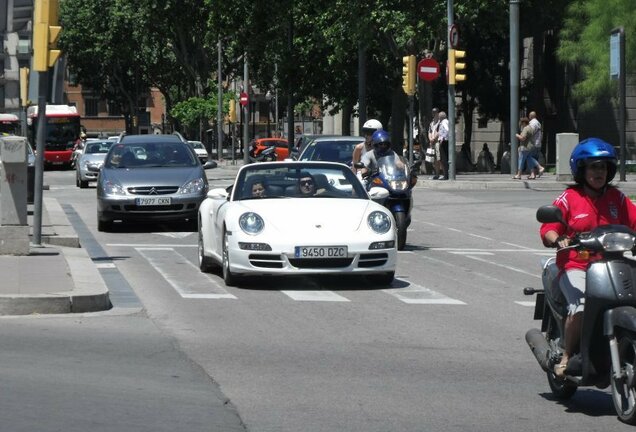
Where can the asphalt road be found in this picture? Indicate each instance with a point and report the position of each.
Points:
(442, 350)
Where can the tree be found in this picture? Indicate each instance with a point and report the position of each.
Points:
(585, 45)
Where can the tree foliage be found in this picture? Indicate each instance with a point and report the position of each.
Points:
(585, 45)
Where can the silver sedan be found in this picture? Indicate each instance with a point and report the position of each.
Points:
(90, 162)
(150, 177)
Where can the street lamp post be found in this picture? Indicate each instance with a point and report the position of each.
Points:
(268, 97)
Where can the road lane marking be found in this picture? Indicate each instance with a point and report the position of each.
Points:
(104, 265)
(175, 235)
(515, 269)
(151, 245)
(326, 296)
(182, 275)
(417, 294)
(471, 253)
(526, 303)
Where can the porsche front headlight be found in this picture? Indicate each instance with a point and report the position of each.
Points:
(251, 223)
(379, 222)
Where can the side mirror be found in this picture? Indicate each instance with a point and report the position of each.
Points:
(209, 165)
(550, 214)
(378, 193)
(358, 165)
(217, 194)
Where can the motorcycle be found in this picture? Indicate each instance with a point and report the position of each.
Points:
(398, 178)
(267, 155)
(608, 335)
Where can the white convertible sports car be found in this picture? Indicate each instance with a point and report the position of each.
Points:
(287, 218)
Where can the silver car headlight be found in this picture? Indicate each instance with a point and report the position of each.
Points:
(251, 223)
(193, 187)
(379, 222)
(112, 188)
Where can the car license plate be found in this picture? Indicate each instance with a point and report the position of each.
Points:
(151, 201)
(320, 251)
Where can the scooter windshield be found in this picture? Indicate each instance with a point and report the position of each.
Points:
(393, 168)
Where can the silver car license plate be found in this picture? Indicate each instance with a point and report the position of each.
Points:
(152, 201)
(320, 251)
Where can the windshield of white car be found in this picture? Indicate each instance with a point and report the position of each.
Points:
(293, 180)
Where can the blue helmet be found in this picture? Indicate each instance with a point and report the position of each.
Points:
(380, 137)
(592, 149)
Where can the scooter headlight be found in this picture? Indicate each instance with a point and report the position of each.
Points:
(617, 242)
(399, 185)
(379, 222)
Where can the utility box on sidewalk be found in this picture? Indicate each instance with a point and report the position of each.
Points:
(565, 143)
(14, 231)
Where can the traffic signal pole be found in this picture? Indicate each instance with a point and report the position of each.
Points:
(43, 89)
(46, 31)
(451, 97)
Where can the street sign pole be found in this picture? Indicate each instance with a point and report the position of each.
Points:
(246, 113)
(617, 70)
(410, 129)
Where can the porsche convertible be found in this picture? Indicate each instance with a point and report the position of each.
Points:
(296, 218)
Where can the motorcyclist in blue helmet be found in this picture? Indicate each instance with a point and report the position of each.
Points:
(591, 202)
(381, 148)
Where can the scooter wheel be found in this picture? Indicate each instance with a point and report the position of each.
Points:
(624, 387)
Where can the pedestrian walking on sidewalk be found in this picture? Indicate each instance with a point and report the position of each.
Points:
(442, 146)
(526, 145)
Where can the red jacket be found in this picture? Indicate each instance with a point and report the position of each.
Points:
(583, 213)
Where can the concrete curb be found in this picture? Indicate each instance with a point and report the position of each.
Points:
(63, 232)
(89, 293)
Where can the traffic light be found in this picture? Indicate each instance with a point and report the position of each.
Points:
(46, 31)
(232, 113)
(454, 67)
(24, 86)
(408, 74)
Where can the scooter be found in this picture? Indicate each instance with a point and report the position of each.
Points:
(398, 178)
(267, 155)
(608, 336)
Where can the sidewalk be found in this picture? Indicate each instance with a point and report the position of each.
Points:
(60, 277)
(56, 277)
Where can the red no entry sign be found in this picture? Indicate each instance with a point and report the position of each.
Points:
(428, 69)
(243, 99)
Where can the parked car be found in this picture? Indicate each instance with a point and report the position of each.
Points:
(260, 144)
(90, 161)
(329, 230)
(150, 177)
(200, 150)
(332, 148)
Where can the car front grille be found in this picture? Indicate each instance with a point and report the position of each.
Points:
(266, 261)
(305, 263)
(372, 260)
(153, 190)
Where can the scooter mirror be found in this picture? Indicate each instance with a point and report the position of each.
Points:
(549, 214)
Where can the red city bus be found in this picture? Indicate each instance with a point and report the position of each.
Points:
(62, 132)
(9, 124)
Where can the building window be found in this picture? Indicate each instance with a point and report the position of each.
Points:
(114, 110)
(91, 107)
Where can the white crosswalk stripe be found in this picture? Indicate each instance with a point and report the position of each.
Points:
(324, 296)
(416, 294)
(171, 265)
